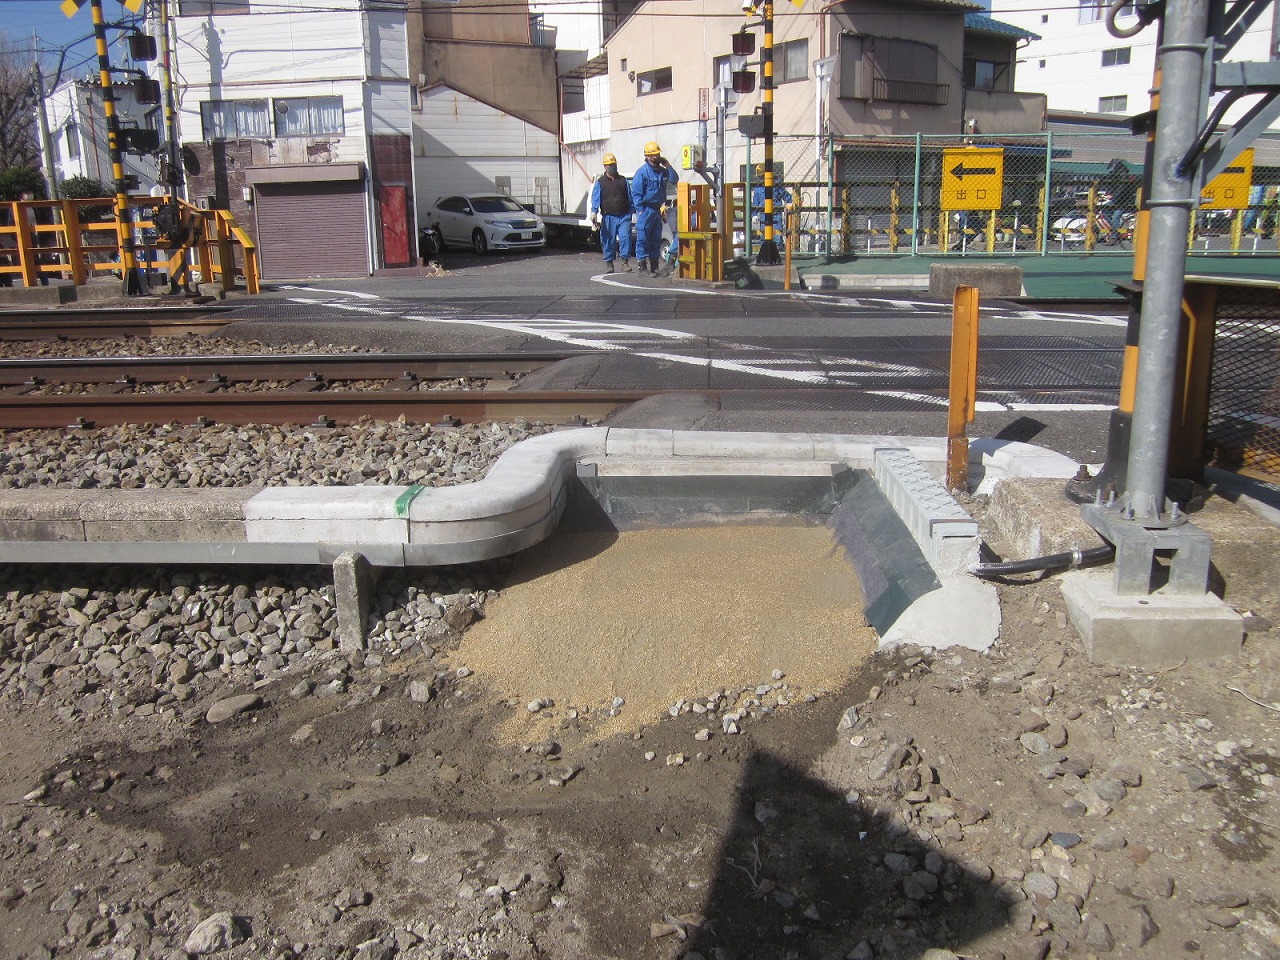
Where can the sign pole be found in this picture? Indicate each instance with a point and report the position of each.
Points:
(131, 279)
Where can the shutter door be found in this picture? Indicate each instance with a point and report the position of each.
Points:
(312, 230)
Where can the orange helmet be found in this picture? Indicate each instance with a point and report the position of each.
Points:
(651, 149)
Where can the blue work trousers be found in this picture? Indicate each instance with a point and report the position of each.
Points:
(615, 236)
(648, 233)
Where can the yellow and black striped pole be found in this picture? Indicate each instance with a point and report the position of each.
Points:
(768, 254)
(131, 278)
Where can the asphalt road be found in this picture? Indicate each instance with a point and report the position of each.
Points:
(1046, 376)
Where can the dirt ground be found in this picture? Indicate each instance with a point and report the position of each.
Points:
(459, 803)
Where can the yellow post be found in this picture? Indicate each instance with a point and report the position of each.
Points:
(71, 240)
(894, 200)
(791, 235)
(991, 233)
(964, 384)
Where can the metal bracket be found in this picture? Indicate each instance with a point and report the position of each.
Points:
(1136, 544)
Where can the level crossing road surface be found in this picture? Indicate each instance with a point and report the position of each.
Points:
(855, 364)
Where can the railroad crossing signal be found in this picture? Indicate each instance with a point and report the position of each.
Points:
(70, 8)
(972, 178)
(1229, 190)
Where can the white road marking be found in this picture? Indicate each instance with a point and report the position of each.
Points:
(344, 293)
(623, 338)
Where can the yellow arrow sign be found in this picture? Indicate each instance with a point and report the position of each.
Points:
(1229, 190)
(972, 178)
(70, 8)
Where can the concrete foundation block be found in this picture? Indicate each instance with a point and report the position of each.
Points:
(1151, 631)
(963, 612)
(353, 583)
(991, 279)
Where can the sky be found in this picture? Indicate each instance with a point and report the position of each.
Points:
(18, 18)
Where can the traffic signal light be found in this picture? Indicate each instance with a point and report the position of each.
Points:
(142, 47)
(139, 140)
(146, 90)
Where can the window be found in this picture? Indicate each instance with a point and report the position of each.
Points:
(1113, 104)
(211, 8)
(308, 116)
(73, 142)
(653, 81)
(890, 70)
(1091, 11)
(980, 74)
(1116, 58)
(721, 71)
(235, 119)
(790, 61)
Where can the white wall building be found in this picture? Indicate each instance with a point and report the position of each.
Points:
(1082, 68)
(297, 119)
(78, 133)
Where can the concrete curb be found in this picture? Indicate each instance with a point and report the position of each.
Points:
(515, 506)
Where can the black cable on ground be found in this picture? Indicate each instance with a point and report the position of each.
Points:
(1067, 560)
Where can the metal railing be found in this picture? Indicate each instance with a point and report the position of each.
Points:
(77, 240)
(1054, 193)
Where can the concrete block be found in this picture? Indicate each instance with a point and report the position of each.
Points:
(1035, 518)
(690, 467)
(945, 533)
(481, 528)
(43, 514)
(329, 515)
(991, 279)
(353, 583)
(640, 443)
(1152, 631)
(963, 612)
(39, 296)
(211, 514)
(742, 445)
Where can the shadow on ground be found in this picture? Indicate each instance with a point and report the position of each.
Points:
(805, 873)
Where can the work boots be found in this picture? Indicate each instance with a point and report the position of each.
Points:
(626, 265)
(608, 266)
(653, 266)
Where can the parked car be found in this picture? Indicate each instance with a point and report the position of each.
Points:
(484, 222)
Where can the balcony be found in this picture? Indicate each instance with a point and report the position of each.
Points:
(884, 90)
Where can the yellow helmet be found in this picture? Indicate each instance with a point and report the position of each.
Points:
(651, 149)
(610, 160)
(759, 171)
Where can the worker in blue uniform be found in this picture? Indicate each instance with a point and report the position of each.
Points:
(648, 195)
(611, 213)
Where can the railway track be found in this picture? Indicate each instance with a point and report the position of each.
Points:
(81, 324)
(329, 389)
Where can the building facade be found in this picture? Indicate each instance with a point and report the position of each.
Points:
(297, 119)
(1074, 43)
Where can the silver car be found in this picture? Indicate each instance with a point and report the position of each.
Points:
(484, 222)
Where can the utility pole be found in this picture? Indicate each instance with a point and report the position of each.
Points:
(768, 254)
(130, 276)
(46, 143)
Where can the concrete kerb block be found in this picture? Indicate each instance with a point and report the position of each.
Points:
(329, 514)
(946, 535)
(640, 443)
(353, 582)
(744, 446)
(991, 279)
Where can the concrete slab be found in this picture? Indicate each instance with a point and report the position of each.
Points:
(42, 514)
(687, 466)
(214, 514)
(963, 612)
(352, 515)
(1153, 631)
(991, 279)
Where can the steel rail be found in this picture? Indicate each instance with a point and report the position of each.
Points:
(308, 407)
(326, 367)
(63, 324)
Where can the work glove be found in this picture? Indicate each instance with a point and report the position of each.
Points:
(595, 219)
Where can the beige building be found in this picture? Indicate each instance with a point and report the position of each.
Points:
(896, 67)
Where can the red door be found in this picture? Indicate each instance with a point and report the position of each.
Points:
(395, 226)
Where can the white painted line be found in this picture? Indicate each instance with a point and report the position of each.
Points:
(344, 293)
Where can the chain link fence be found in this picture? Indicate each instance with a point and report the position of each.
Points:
(1044, 193)
(1244, 400)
